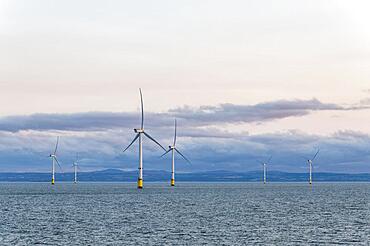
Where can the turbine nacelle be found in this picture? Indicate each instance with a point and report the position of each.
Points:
(138, 130)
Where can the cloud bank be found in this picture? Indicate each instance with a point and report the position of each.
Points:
(190, 117)
(100, 137)
(341, 152)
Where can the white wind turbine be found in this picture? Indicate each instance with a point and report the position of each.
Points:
(173, 149)
(139, 136)
(75, 167)
(54, 160)
(264, 165)
(310, 164)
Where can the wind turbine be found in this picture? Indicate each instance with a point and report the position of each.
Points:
(54, 160)
(139, 132)
(75, 167)
(310, 162)
(173, 149)
(264, 164)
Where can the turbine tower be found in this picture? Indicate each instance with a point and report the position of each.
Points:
(139, 132)
(75, 167)
(264, 165)
(54, 160)
(310, 164)
(173, 149)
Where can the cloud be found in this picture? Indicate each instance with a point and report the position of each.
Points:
(252, 113)
(100, 137)
(344, 151)
(88, 121)
(190, 117)
(365, 101)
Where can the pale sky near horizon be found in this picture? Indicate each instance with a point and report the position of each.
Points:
(80, 56)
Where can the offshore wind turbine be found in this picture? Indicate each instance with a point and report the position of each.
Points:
(173, 149)
(264, 165)
(139, 132)
(310, 164)
(54, 160)
(75, 167)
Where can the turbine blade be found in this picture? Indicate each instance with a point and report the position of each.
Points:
(146, 134)
(316, 154)
(142, 109)
(174, 140)
(165, 153)
(186, 159)
(261, 162)
(56, 160)
(137, 135)
(56, 146)
(269, 159)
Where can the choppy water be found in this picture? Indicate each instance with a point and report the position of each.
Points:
(189, 214)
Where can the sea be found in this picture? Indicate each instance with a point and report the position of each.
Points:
(187, 214)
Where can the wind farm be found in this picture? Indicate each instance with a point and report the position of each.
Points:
(140, 133)
(184, 122)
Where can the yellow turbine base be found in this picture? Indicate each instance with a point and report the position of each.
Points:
(172, 182)
(52, 181)
(139, 183)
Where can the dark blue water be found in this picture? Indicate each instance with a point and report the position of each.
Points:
(189, 214)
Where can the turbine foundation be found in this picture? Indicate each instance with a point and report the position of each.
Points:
(139, 183)
(52, 181)
(172, 182)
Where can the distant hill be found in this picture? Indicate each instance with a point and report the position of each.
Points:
(116, 175)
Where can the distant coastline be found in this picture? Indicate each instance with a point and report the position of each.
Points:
(117, 175)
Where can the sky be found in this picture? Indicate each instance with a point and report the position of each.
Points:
(244, 79)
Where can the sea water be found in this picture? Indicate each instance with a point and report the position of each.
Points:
(188, 214)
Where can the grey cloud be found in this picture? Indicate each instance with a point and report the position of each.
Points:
(253, 113)
(365, 101)
(344, 151)
(88, 121)
(190, 117)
